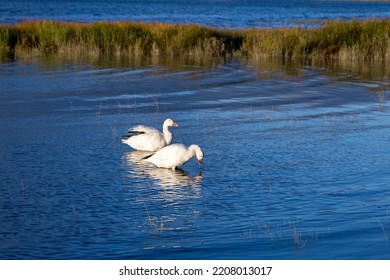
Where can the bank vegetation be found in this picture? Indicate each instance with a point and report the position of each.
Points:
(342, 41)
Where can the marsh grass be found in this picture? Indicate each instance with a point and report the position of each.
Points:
(116, 38)
(340, 41)
(344, 42)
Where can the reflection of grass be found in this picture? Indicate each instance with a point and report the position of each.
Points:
(287, 231)
(157, 225)
(382, 97)
(343, 41)
(151, 222)
(155, 99)
(298, 242)
(114, 131)
(385, 233)
(99, 112)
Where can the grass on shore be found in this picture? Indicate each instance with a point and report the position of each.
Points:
(345, 41)
(352, 40)
(119, 38)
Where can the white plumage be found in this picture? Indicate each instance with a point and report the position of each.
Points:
(144, 138)
(175, 155)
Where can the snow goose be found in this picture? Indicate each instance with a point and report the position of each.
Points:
(175, 155)
(146, 138)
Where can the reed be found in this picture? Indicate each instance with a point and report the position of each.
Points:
(337, 41)
(118, 38)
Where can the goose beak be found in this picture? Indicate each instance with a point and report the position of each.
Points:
(200, 161)
(175, 124)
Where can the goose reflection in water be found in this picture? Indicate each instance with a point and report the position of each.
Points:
(163, 177)
(174, 191)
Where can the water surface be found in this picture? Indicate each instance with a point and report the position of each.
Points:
(296, 162)
(219, 13)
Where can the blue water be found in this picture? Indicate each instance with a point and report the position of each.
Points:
(296, 166)
(296, 159)
(220, 13)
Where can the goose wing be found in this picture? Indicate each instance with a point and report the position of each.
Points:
(140, 129)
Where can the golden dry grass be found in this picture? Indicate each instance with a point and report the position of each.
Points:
(341, 41)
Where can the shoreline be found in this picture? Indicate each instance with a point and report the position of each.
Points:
(365, 41)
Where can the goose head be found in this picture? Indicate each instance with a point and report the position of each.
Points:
(198, 153)
(170, 122)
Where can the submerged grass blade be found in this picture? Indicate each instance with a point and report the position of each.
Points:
(385, 234)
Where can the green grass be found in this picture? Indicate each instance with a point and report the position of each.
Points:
(361, 40)
(119, 38)
(345, 41)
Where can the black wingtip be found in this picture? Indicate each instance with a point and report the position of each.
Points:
(148, 156)
(132, 133)
(136, 132)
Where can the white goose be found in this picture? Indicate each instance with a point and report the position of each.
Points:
(146, 138)
(175, 155)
